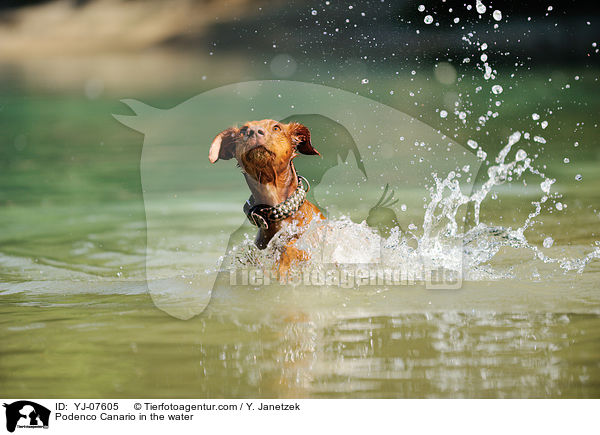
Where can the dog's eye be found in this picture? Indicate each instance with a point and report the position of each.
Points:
(276, 128)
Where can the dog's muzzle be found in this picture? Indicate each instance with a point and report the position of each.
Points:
(262, 215)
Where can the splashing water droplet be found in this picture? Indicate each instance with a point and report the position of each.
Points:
(544, 124)
(559, 206)
(313, 12)
(514, 138)
(443, 113)
(521, 155)
(364, 81)
(578, 177)
(428, 19)
(497, 89)
(497, 15)
(546, 184)
(535, 116)
(548, 242)
(472, 144)
(566, 160)
(488, 72)
(421, 8)
(480, 7)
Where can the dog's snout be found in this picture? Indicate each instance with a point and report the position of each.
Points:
(251, 131)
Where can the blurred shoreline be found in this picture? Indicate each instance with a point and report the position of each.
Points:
(117, 47)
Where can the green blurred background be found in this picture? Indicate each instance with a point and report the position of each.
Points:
(64, 66)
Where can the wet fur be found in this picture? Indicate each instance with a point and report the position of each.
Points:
(265, 151)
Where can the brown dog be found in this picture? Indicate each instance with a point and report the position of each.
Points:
(265, 151)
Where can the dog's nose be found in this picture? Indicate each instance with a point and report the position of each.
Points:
(255, 130)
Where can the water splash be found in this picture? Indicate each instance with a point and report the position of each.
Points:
(444, 241)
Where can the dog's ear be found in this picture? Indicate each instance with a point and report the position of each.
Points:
(301, 138)
(223, 146)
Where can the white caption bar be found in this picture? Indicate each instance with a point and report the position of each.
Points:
(157, 416)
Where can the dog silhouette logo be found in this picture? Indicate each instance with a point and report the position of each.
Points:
(26, 414)
(372, 155)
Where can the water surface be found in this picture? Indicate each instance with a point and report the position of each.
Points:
(77, 319)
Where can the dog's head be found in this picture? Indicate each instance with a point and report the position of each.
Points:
(264, 148)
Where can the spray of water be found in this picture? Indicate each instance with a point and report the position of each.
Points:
(444, 241)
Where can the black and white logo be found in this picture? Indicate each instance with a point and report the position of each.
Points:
(26, 414)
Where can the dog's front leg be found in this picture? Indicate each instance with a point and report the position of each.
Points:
(291, 256)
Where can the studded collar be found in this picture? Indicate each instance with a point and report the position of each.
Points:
(262, 215)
